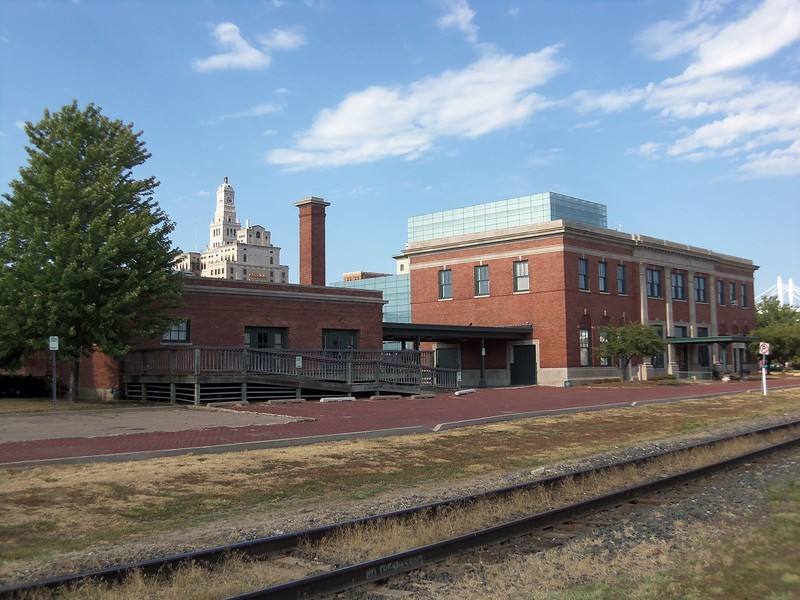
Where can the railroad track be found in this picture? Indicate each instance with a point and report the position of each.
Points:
(341, 578)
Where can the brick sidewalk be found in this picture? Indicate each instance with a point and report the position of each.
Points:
(343, 420)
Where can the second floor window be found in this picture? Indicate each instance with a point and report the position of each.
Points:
(700, 285)
(522, 282)
(622, 285)
(654, 283)
(732, 293)
(482, 280)
(583, 274)
(721, 293)
(678, 286)
(445, 284)
(602, 276)
(744, 294)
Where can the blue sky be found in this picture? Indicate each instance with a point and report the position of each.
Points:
(683, 117)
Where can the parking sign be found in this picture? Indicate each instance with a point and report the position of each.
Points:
(763, 348)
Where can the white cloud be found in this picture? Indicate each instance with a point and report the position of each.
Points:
(650, 149)
(613, 101)
(772, 26)
(668, 39)
(283, 39)
(491, 94)
(238, 54)
(259, 110)
(459, 16)
(725, 111)
(775, 163)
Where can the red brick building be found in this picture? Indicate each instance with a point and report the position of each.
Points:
(566, 279)
(231, 313)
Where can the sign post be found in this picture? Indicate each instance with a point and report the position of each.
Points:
(53, 348)
(763, 350)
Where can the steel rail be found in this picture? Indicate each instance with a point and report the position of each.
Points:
(395, 564)
(289, 541)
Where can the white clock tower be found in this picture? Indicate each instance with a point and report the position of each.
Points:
(234, 252)
(225, 225)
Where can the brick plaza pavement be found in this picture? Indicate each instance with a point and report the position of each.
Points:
(312, 422)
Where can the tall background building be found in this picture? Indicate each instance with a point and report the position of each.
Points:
(235, 252)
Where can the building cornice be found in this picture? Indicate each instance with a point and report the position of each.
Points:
(324, 295)
(643, 248)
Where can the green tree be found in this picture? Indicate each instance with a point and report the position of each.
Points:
(778, 324)
(628, 341)
(85, 252)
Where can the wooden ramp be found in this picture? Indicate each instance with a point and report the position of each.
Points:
(205, 374)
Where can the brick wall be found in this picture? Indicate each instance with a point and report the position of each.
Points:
(218, 312)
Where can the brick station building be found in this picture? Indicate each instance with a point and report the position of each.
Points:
(548, 261)
(260, 314)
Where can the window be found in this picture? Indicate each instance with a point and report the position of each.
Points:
(605, 361)
(522, 282)
(678, 286)
(602, 276)
(178, 333)
(700, 288)
(482, 280)
(732, 293)
(654, 283)
(445, 284)
(337, 340)
(622, 285)
(681, 331)
(586, 347)
(658, 360)
(721, 293)
(265, 337)
(583, 274)
(744, 294)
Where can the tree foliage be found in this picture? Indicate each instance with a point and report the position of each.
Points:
(778, 324)
(628, 341)
(85, 252)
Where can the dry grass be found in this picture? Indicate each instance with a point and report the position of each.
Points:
(235, 575)
(50, 511)
(729, 559)
(372, 540)
(579, 563)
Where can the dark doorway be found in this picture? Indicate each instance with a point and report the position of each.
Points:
(447, 358)
(523, 365)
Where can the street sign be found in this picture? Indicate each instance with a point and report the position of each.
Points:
(53, 342)
(763, 350)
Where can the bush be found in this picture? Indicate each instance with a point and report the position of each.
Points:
(24, 386)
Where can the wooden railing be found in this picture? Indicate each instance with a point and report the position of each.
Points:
(404, 367)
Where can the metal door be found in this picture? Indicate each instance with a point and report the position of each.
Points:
(523, 365)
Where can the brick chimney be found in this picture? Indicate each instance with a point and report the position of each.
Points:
(312, 240)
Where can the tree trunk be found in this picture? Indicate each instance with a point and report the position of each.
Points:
(74, 374)
(625, 366)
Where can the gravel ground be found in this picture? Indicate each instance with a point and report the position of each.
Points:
(720, 496)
